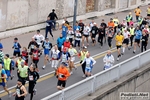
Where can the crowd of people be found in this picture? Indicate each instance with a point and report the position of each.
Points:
(72, 44)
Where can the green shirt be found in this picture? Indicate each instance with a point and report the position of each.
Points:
(23, 71)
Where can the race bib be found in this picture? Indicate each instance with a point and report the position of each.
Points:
(87, 65)
(54, 56)
(93, 32)
(31, 77)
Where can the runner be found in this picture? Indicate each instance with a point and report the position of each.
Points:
(138, 35)
(94, 32)
(147, 30)
(111, 23)
(132, 31)
(90, 62)
(148, 12)
(73, 52)
(25, 55)
(144, 41)
(81, 25)
(31, 45)
(70, 34)
(64, 28)
(137, 12)
(119, 39)
(39, 38)
(76, 27)
(23, 72)
(124, 23)
(108, 60)
(21, 91)
(3, 77)
(16, 48)
(67, 43)
(60, 42)
(35, 57)
(8, 67)
(101, 35)
(55, 56)
(126, 36)
(33, 76)
(62, 75)
(18, 62)
(47, 47)
(65, 56)
(86, 34)
(116, 22)
(78, 37)
(129, 18)
(82, 55)
(49, 26)
(104, 25)
(110, 33)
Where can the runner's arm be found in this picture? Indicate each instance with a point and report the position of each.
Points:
(24, 91)
(94, 62)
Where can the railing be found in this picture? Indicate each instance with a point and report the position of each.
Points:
(91, 84)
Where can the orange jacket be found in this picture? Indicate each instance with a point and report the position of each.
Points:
(62, 71)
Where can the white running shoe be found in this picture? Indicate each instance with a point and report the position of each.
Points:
(83, 76)
(43, 67)
(9, 94)
(71, 73)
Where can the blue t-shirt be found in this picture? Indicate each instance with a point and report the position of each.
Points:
(75, 27)
(60, 41)
(64, 31)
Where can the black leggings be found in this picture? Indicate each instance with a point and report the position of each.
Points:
(100, 40)
(143, 45)
(83, 67)
(48, 30)
(109, 39)
(36, 62)
(131, 39)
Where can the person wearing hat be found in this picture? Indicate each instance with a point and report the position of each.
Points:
(62, 75)
(67, 43)
(16, 47)
(49, 25)
(23, 72)
(47, 47)
(82, 55)
(129, 18)
(8, 66)
(21, 91)
(119, 39)
(78, 37)
(53, 17)
(65, 56)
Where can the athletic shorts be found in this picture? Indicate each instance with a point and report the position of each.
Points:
(88, 69)
(8, 73)
(86, 35)
(93, 36)
(46, 52)
(148, 14)
(118, 46)
(61, 83)
(126, 41)
(137, 41)
(16, 53)
(54, 64)
(3, 84)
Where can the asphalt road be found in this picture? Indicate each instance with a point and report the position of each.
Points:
(47, 84)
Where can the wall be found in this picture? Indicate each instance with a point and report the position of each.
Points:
(21, 16)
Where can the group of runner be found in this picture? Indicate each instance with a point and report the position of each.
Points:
(70, 45)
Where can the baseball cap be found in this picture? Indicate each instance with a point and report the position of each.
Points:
(84, 47)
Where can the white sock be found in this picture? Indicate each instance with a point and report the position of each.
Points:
(123, 49)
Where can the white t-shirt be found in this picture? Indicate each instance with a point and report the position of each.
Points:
(39, 38)
(86, 30)
(126, 35)
(55, 54)
(88, 62)
(70, 34)
(78, 36)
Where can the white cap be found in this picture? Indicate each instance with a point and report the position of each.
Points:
(63, 22)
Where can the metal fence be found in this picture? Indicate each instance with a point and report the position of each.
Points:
(91, 84)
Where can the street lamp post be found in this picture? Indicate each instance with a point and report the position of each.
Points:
(75, 12)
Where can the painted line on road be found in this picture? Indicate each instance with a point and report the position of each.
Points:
(51, 74)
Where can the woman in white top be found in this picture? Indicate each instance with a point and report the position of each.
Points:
(86, 34)
(70, 34)
(108, 60)
(73, 52)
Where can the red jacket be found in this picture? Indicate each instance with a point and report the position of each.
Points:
(67, 44)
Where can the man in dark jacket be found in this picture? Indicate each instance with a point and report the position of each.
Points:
(53, 17)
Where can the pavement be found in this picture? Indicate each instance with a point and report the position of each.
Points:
(47, 84)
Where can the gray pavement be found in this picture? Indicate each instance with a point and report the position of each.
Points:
(48, 86)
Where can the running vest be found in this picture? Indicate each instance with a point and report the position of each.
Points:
(16, 47)
(140, 21)
(65, 57)
(23, 71)
(55, 54)
(89, 63)
(19, 92)
(148, 12)
(116, 22)
(83, 54)
(19, 62)
(46, 45)
(129, 18)
(132, 31)
(7, 63)
(35, 55)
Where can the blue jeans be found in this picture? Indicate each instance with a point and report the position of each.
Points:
(54, 23)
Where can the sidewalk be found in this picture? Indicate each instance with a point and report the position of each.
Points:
(26, 38)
